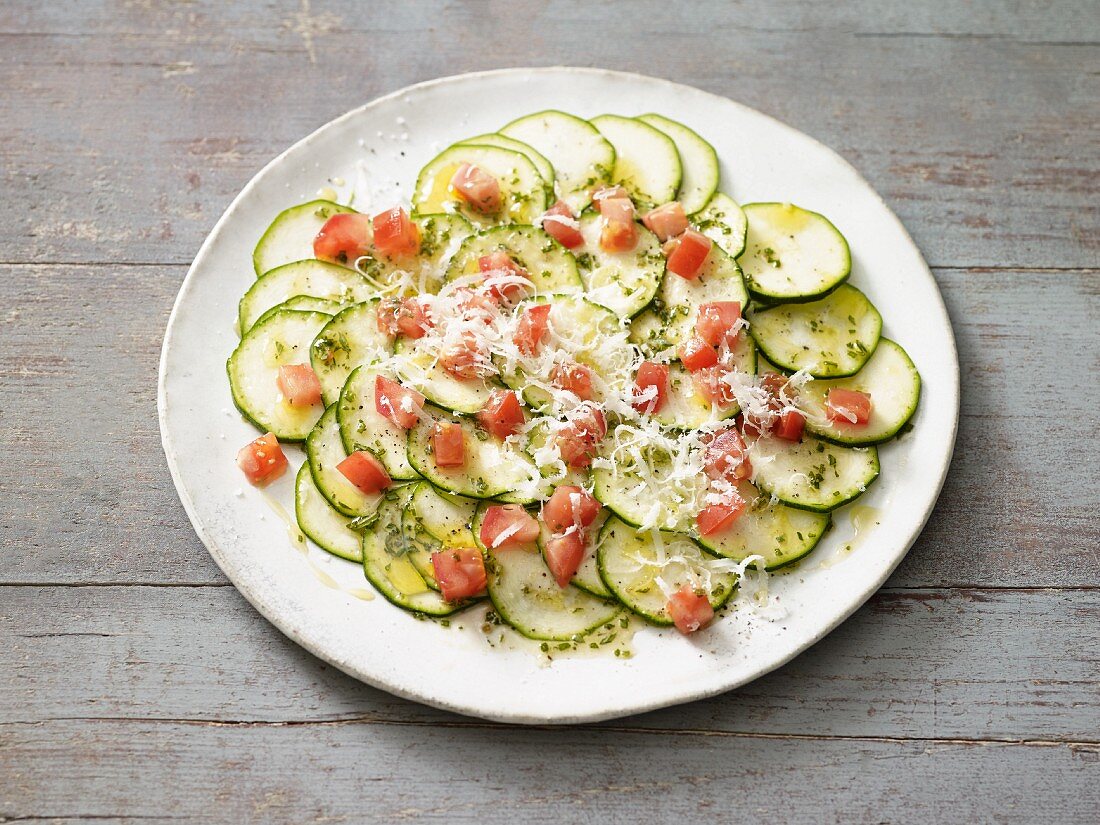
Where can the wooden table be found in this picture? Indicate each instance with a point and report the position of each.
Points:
(137, 685)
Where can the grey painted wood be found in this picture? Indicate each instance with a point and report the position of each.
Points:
(1006, 516)
(965, 691)
(941, 664)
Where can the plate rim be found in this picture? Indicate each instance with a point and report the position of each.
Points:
(273, 616)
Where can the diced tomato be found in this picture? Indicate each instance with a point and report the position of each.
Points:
(504, 278)
(299, 385)
(573, 377)
(506, 524)
(577, 441)
(619, 233)
(789, 427)
(569, 506)
(848, 406)
(502, 414)
(558, 222)
(666, 221)
(696, 354)
(774, 386)
(726, 456)
(687, 259)
(344, 238)
(399, 404)
(531, 328)
(689, 610)
(465, 358)
(650, 387)
(711, 384)
(477, 187)
(717, 320)
(365, 471)
(477, 305)
(262, 461)
(395, 235)
(714, 518)
(406, 317)
(606, 193)
(459, 572)
(448, 444)
(563, 555)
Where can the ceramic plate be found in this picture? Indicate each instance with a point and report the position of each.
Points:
(320, 602)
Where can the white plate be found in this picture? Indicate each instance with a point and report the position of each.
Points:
(455, 669)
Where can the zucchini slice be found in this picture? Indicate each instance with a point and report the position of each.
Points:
(830, 338)
(546, 169)
(892, 381)
(814, 474)
(643, 570)
(327, 528)
(494, 469)
(445, 517)
(698, 159)
(317, 279)
(281, 340)
(350, 339)
(441, 235)
(647, 163)
(417, 366)
(290, 236)
(387, 564)
(685, 408)
(422, 543)
(521, 186)
(624, 282)
(324, 450)
(724, 222)
(587, 577)
(676, 305)
(525, 595)
(582, 158)
(306, 303)
(593, 337)
(550, 266)
(792, 254)
(362, 427)
(781, 534)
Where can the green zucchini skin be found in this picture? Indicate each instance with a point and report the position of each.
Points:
(290, 236)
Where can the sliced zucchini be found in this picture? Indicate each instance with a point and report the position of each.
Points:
(647, 163)
(550, 266)
(814, 474)
(445, 517)
(281, 340)
(525, 595)
(306, 303)
(792, 254)
(422, 543)
(362, 427)
(830, 338)
(892, 381)
(441, 235)
(388, 567)
(624, 282)
(328, 529)
(290, 236)
(582, 158)
(676, 305)
(494, 469)
(643, 570)
(592, 336)
(724, 222)
(317, 279)
(546, 169)
(325, 450)
(781, 534)
(685, 408)
(587, 577)
(350, 339)
(698, 159)
(418, 367)
(522, 188)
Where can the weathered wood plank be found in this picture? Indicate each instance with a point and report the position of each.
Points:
(928, 664)
(78, 770)
(1002, 170)
(1017, 509)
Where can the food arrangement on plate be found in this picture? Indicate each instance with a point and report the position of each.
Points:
(575, 379)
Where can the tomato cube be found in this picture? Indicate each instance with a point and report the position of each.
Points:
(563, 555)
(848, 406)
(448, 444)
(714, 518)
(577, 440)
(478, 188)
(531, 328)
(344, 238)
(299, 385)
(790, 425)
(502, 414)
(690, 610)
(569, 506)
(505, 280)
(726, 456)
(459, 572)
(507, 524)
(718, 322)
(365, 471)
(395, 234)
(558, 222)
(399, 404)
(262, 461)
(696, 354)
(573, 377)
(666, 221)
(650, 387)
(689, 255)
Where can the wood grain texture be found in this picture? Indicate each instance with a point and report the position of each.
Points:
(136, 684)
